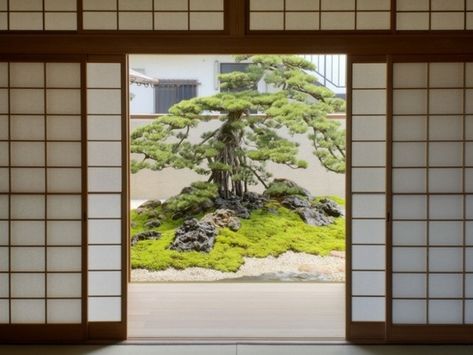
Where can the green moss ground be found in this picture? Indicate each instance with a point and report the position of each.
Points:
(262, 235)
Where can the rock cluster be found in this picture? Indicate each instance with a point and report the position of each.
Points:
(222, 219)
(194, 235)
(242, 206)
(148, 235)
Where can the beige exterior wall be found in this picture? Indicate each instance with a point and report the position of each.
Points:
(163, 184)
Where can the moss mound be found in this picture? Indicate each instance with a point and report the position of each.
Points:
(270, 231)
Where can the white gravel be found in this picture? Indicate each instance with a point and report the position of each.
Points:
(330, 267)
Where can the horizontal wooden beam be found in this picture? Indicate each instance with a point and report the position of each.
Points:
(155, 43)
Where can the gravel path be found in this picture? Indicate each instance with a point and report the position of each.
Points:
(289, 266)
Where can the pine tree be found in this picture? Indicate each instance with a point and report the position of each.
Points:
(234, 155)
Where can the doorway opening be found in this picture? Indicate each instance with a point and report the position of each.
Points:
(237, 196)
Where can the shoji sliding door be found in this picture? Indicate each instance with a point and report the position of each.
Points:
(366, 213)
(41, 200)
(410, 199)
(107, 153)
(432, 201)
(62, 200)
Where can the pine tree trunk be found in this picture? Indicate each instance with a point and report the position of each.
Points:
(230, 137)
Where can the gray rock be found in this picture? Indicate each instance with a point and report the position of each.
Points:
(329, 207)
(223, 218)
(295, 202)
(254, 201)
(234, 204)
(149, 235)
(148, 206)
(314, 217)
(194, 236)
(154, 223)
(284, 276)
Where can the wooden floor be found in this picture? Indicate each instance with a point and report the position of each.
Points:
(237, 310)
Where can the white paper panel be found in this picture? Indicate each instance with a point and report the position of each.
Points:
(409, 311)
(105, 257)
(368, 309)
(446, 233)
(368, 257)
(104, 309)
(64, 180)
(368, 283)
(64, 259)
(409, 154)
(4, 259)
(446, 207)
(368, 179)
(409, 180)
(27, 128)
(104, 206)
(445, 312)
(25, 75)
(446, 259)
(27, 154)
(105, 283)
(446, 128)
(409, 233)
(64, 154)
(104, 128)
(105, 179)
(469, 286)
(28, 180)
(4, 152)
(411, 102)
(4, 230)
(27, 285)
(210, 21)
(172, 21)
(4, 180)
(64, 233)
(27, 101)
(64, 285)
(369, 128)
(446, 154)
(469, 259)
(446, 101)
(104, 101)
(409, 285)
(409, 259)
(443, 75)
(63, 75)
(369, 75)
(104, 231)
(445, 286)
(271, 21)
(27, 233)
(368, 231)
(28, 311)
(64, 127)
(104, 154)
(64, 207)
(369, 206)
(27, 207)
(103, 75)
(64, 311)
(446, 180)
(4, 286)
(27, 259)
(99, 20)
(469, 312)
(4, 207)
(407, 128)
(368, 154)
(62, 101)
(409, 207)
(135, 21)
(369, 102)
